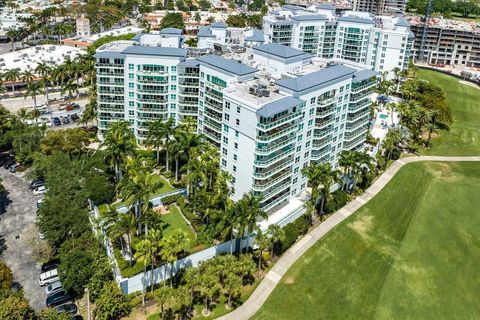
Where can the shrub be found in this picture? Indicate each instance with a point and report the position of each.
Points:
(171, 199)
(339, 199)
(292, 231)
(395, 154)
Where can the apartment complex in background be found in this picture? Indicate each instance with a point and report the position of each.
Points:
(269, 109)
(448, 42)
(380, 43)
(380, 6)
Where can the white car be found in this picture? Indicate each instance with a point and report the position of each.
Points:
(53, 287)
(48, 277)
(40, 190)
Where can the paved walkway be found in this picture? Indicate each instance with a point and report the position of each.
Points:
(256, 300)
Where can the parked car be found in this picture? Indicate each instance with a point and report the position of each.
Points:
(74, 117)
(7, 164)
(36, 183)
(4, 158)
(56, 121)
(53, 287)
(40, 190)
(58, 298)
(39, 203)
(65, 120)
(69, 308)
(50, 265)
(13, 168)
(48, 277)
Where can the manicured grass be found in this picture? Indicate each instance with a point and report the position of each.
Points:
(175, 221)
(166, 185)
(463, 139)
(412, 252)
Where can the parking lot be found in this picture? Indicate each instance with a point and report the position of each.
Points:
(20, 214)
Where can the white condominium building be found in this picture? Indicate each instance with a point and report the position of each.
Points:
(380, 43)
(271, 110)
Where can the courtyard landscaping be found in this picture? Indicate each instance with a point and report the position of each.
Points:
(463, 138)
(411, 252)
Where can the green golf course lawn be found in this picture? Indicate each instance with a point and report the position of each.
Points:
(412, 252)
(463, 139)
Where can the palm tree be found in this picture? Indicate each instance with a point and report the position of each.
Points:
(143, 254)
(209, 287)
(313, 174)
(172, 246)
(232, 284)
(119, 143)
(328, 178)
(249, 211)
(44, 70)
(195, 174)
(71, 88)
(12, 75)
(119, 224)
(160, 133)
(22, 114)
(137, 188)
(165, 297)
(12, 34)
(264, 243)
(276, 234)
(32, 90)
(27, 77)
(347, 161)
(35, 114)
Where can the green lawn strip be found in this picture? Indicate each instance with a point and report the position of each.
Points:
(175, 221)
(410, 253)
(166, 185)
(463, 139)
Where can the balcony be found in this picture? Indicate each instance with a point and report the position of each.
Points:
(142, 90)
(318, 154)
(320, 143)
(324, 123)
(277, 188)
(279, 121)
(358, 116)
(270, 171)
(362, 87)
(356, 133)
(277, 133)
(109, 65)
(360, 96)
(323, 112)
(327, 101)
(212, 125)
(151, 72)
(263, 185)
(271, 147)
(318, 133)
(277, 199)
(269, 160)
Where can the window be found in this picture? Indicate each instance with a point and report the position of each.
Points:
(238, 109)
(227, 117)
(131, 95)
(307, 144)
(130, 76)
(311, 111)
(131, 66)
(131, 113)
(312, 100)
(309, 133)
(224, 151)
(131, 85)
(299, 148)
(174, 68)
(306, 154)
(296, 170)
(235, 145)
(295, 180)
(236, 134)
(131, 103)
(225, 140)
(237, 122)
(310, 122)
(225, 128)
(302, 186)
(235, 157)
(299, 138)
(174, 78)
(234, 168)
(297, 159)
(224, 162)
(227, 105)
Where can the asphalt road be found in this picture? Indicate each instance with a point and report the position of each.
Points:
(18, 216)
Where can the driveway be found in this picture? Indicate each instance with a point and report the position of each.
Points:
(18, 215)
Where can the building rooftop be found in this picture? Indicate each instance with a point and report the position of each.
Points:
(173, 31)
(309, 17)
(205, 32)
(221, 25)
(355, 19)
(469, 26)
(257, 36)
(155, 51)
(317, 78)
(364, 75)
(326, 6)
(279, 50)
(279, 105)
(189, 63)
(227, 65)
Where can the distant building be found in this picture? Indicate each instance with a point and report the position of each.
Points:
(380, 6)
(83, 27)
(448, 42)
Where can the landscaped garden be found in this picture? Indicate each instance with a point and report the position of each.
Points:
(412, 252)
(463, 138)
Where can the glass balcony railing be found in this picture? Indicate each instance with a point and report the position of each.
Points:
(271, 147)
(269, 160)
(269, 172)
(277, 122)
(277, 134)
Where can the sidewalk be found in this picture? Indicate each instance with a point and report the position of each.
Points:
(266, 286)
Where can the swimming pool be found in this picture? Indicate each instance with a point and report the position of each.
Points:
(383, 116)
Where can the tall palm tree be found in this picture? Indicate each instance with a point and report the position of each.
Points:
(249, 211)
(347, 160)
(35, 114)
(71, 88)
(44, 70)
(172, 246)
(313, 174)
(328, 178)
(276, 234)
(27, 76)
(22, 114)
(160, 133)
(137, 188)
(119, 143)
(12, 75)
(144, 254)
(32, 90)
(12, 34)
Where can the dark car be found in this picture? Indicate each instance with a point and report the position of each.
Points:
(9, 163)
(65, 120)
(56, 121)
(74, 117)
(77, 317)
(36, 183)
(69, 308)
(50, 265)
(58, 298)
(4, 158)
